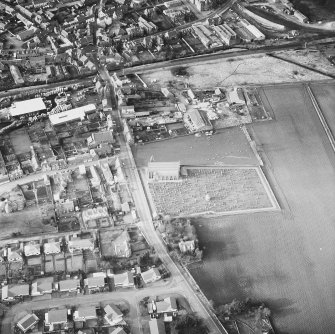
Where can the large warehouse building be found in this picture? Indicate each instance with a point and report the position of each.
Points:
(21, 108)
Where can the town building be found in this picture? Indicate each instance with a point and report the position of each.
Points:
(28, 322)
(84, 313)
(167, 306)
(42, 286)
(32, 249)
(187, 246)
(56, 317)
(27, 107)
(76, 114)
(300, 16)
(16, 74)
(124, 280)
(94, 283)
(78, 245)
(196, 120)
(236, 97)
(113, 315)
(11, 292)
(163, 171)
(52, 248)
(69, 285)
(151, 275)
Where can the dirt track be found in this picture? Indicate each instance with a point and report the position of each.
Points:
(285, 259)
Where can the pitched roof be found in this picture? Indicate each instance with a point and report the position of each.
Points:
(57, 316)
(124, 279)
(52, 248)
(97, 281)
(70, 284)
(15, 291)
(27, 322)
(32, 249)
(151, 274)
(169, 304)
(86, 312)
(81, 243)
(113, 310)
(42, 285)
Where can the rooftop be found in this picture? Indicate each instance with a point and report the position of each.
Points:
(27, 322)
(19, 108)
(56, 316)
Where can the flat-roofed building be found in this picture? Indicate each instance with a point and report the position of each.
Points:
(20, 108)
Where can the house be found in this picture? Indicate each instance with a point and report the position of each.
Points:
(69, 285)
(157, 326)
(14, 256)
(42, 286)
(163, 171)
(95, 282)
(77, 244)
(32, 249)
(187, 246)
(98, 138)
(120, 246)
(168, 305)
(56, 317)
(10, 292)
(85, 313)
(124, 280)
(113, 315)
(28, 322)
(151, 275)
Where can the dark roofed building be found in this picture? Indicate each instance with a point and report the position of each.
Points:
(27, 322)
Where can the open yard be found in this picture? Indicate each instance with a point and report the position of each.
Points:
(236, 71)
(229, 189)
(228, 147)
(285, 259)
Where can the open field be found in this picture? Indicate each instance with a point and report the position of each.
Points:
(230, 190)
(227, 147)
(325, 96)
(237, 71)
(285, 259)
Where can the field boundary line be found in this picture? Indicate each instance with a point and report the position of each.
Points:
(252, 144)
(321, 117)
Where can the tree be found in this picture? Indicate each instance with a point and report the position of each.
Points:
(189, 324)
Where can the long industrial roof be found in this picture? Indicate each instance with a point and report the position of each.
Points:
(19, 108)
(71, 115)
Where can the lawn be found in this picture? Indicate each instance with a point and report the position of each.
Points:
(283, 258)
(228, 147)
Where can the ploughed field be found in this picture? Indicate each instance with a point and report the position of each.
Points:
(283, 258)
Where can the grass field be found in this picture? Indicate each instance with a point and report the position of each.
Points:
(325, 96)
(226, 147)
(285, 259)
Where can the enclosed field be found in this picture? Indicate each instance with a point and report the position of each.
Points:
(213, 190)
(285, 259)
(325, 96)
(228, 147)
